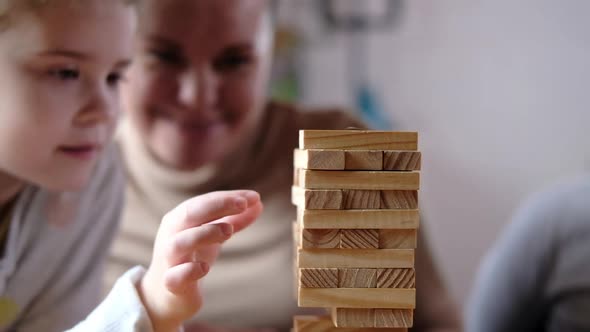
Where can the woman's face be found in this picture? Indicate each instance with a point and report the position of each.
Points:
(198, 83)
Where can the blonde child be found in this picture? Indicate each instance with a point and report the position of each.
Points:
(60, 188)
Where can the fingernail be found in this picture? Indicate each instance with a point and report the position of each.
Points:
(204, 267)
(240, 203)
(251, 195)
(226, 229)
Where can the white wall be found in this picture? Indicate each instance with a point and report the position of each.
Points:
(500, 92)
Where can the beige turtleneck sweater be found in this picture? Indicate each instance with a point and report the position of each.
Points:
(251, 284)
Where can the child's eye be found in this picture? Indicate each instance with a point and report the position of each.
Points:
(114, 78)
(65, 74)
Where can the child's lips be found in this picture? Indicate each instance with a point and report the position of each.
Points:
(83, 151)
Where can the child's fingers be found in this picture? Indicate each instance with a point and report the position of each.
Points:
(208, 207)
(179, 277)
(188, 241)
(244, 219)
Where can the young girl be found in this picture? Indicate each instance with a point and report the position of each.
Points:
(60, 189)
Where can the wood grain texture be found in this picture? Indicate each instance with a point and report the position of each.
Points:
(355, 258)
(351, 317)
(359, 238)
(361, 199)
(367, 160)
(378, 319)
(368, 180)
(368, 298)
(394, 318)
(399, 199)
(320, 159)
(398, 238)
(396, 278)
(296, 176)
(319, 278)
(320, 238)
(402, 161)
(357, 278)
(359, 219)
(358, 140)
(324, 199)
(325, 324)
(296, 234)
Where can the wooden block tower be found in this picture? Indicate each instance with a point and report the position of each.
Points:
(356, 193)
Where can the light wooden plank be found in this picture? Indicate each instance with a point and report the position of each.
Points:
(359, 219)
(359, 238)
(358, 140)
(367, 160)
(357, 278)
(396, 278)
(394, 298)
(321, 238)
(369, 180)
(320, 278)
(399, 199)
(361, 199)
(320, 159)
(392, 318)
(296, 176)
(402, 160)
(325, 324)
(296, 234)
(296, 245)
(353, 317)
(398, 238)
(355, 258)
(324, 199)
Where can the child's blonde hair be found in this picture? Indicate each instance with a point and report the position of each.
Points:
(8, 6)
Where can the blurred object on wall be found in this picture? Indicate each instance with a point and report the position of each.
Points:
(307, 29)
(358, 19)
(286, 71)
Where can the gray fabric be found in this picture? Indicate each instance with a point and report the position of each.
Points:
(53, 266)
(537, 275)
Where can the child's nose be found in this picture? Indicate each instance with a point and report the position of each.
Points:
(101, 107)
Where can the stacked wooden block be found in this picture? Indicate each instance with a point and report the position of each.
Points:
(356, 229)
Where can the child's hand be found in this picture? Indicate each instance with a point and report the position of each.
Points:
(186, 245)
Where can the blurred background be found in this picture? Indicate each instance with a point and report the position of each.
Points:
(499, 91)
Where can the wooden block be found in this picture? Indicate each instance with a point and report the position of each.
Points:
(325, 324)
(316, 199)
(320, 159)
(296, 234)
(355, 258)
(392, 318)
(319, 278)
(295, 176)
(402, 161)
(357, 278)
(396, 278)
(358, 140)
(398, 238)
(368, 160)
(313, 324)
(399, 199)
(359, 219)
(296, 283)
(359, 238)
(369, 180)
(361, 199)
(394, 298)
(320, 238)
(351, 317)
